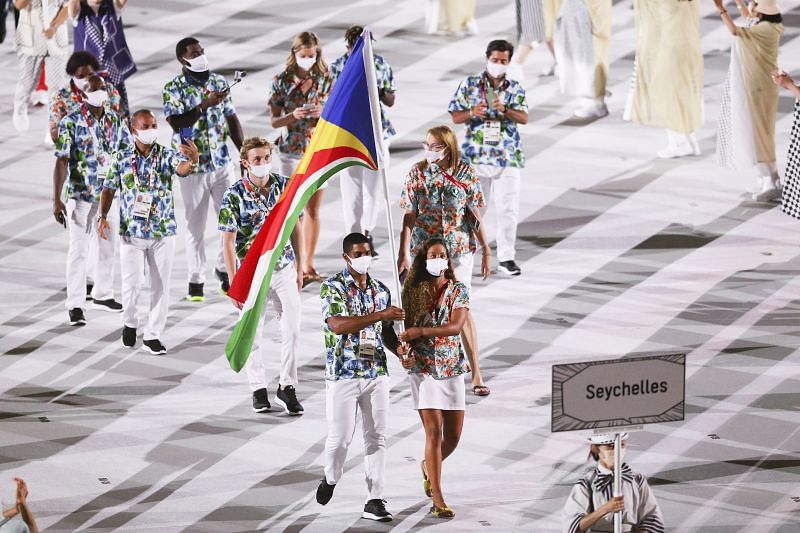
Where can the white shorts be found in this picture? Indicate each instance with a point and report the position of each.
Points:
(462, 268)
(492, 172)
(443, 394)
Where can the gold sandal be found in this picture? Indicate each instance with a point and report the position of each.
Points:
(442, 512)
(426, 484)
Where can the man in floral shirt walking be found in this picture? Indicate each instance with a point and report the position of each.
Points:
(490, 105)
(143, 176)
(198, 106)
(358, 316)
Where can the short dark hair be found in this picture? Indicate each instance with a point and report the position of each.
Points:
(353, 239)
(183, 44)
(82, 59)
(140, 112)
(499, 45)
(352, 34)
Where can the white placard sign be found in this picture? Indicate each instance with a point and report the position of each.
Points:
(618, 392)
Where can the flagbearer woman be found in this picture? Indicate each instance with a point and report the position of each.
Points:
(297, 97)
(245, 207)
(143, 176)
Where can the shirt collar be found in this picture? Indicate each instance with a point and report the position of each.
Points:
(350, 280)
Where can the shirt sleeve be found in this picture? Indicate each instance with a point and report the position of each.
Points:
(408, 196)
(475, 198)
(518, 100)
(172, 100)
(460, 102)
(229, 212)
(333, 303)
(64, 138)
(460, 297)
(58, 108)
(576, 507)
(275, 95)
(114, 178)
(648, 513)
(387, 80)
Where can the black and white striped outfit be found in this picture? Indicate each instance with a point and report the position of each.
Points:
(791, 186)
(596, 488)
(530, 22)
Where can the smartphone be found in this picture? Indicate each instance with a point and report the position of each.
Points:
(309, 106)
(186, 135)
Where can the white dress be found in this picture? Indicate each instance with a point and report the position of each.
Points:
(596, 488)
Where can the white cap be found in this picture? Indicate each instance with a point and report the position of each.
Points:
(768, 7)
(605, 439)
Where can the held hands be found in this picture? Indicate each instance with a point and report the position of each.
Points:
(391, 313)
(614, 505)
(214, 98)
(59, 211)
(782, 79)
(410, 334)
(189, 149)
(479, 110)
(102, 227)
(407, 358)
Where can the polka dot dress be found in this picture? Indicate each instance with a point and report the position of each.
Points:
(791, 187)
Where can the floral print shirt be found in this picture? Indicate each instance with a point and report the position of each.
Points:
(210, 132)
(68, 99)
(442, 202)
(90, 144)
(508, 151)
(341, 296)
(442, 357)
(153, 175)
(385, 76)
(244, 211)
(286, 95)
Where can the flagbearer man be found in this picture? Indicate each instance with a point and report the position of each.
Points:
(143, 175)
(358, 315)
(88, 139)
(245, 207)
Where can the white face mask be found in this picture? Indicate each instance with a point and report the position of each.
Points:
(496, 70)
(97, 98)
(260, 171)
(148, 136)
(305, 63)
(198, 64)
(433, 156)
(360, 264)
(80, 83)
(435, 267)
(606, 455)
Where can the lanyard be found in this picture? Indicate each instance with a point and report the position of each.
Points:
(311, 91)
(256, 196)
(503, 86)
(109, 127)
(152, 180)
(435, 305)
(452, 180)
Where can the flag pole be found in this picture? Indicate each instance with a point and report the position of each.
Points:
(377, 128)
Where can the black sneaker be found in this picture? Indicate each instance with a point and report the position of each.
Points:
(325, 491)
(154, 346)
(108, 305)
(287, 398)
(371, 245)
(509, 268)
(89, 287)
(224, 282)
(76, 317)
(195, 292)
(128, 337)
(376, 510)
(261, 402)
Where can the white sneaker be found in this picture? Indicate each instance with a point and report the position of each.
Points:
(21, 122)
(671, 152)
(472, 27)
(591, 109)
(770, 190)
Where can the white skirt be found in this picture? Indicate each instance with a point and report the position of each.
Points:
(442, 394)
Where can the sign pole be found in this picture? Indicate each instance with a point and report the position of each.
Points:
(617, 479)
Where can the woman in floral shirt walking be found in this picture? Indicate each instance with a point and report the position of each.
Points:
(297, 97)
(436, 307)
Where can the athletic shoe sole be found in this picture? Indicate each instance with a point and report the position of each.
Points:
(77, 323)
(370, 516)
(126, 346)
(286, 408)
(101, 307)
(262, 410)
(508, 272)
(147, 349)
(195, 298)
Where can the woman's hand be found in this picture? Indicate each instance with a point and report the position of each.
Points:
(782, 79)
(402, 264)
(410, 334)
(614, 505)
(409, 360)
(299, 113)
(22, 491)
(486, 264)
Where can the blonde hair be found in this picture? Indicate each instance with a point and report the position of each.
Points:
(446, 136)
(254, 142)
(306, 39)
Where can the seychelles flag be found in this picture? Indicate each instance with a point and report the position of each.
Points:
(346, 135)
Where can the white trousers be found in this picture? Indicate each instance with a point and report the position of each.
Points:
(285, 297)
(462, 268)
(502, 184)
(29, 71)
(343, 400)
(196, 189)
(82, 227)
(362, 193)
(157, 254)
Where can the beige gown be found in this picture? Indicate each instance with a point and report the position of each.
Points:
(667, 89)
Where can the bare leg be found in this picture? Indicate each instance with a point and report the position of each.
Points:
(311, 226)
(522, 52)
(432, 422)
(453, 422)
(469, 336)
